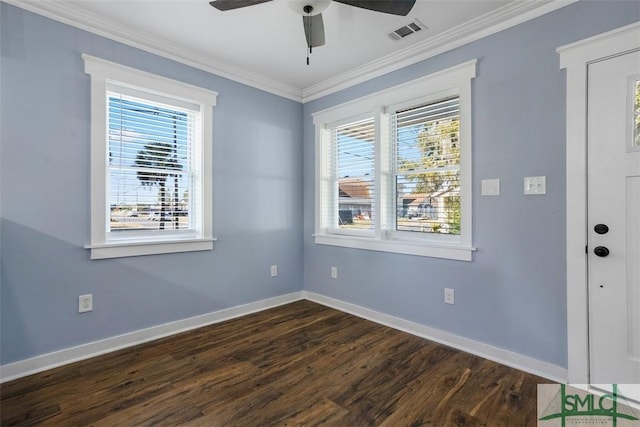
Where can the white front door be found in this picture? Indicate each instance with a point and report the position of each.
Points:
(613, 233)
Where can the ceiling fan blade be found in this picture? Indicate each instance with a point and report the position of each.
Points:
(313, 29)
(234, 4)
(394, 7)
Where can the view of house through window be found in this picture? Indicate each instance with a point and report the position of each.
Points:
(426, 173)
(355, 174)
(427, 167)
(150, 173)
(394, 168)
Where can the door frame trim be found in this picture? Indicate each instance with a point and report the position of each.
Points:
(575, 59)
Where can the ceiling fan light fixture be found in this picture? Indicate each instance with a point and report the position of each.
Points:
(317, 6)
(311, 12)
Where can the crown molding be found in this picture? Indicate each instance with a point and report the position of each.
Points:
(505, 17)
(79, 18)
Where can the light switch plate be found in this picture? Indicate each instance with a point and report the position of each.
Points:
(490, 187)
(535, 185)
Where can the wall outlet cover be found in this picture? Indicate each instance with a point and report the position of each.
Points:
(449, 297)
(490, 187)
(85, 303)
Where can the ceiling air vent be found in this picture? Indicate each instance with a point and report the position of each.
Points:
(407, 30)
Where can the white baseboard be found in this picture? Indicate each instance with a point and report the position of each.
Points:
(44, 362)
(515, 360)
(47, 361)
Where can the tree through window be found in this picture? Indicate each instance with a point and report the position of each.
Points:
(151, 163)
(393, 168)
(427, 175)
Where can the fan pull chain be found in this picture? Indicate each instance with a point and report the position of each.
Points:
(309, 9)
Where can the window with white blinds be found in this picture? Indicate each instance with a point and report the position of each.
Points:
(151, 163)
(354, 178)
(427, 167)
(393, 169)
(151, 168)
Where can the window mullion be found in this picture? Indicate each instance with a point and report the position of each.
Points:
(326, 195)
(332, 205)
(385, 195)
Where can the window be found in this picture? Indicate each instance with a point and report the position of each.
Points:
(150, 163)
(427, 167)
(393, 169)
(354, 176)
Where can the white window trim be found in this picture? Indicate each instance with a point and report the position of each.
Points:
(453, 80)
(104, 73)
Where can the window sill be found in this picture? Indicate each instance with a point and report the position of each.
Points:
(454, 252)
(128, 249)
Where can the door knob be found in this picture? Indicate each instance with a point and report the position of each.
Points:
(601, 251)
(601, 229)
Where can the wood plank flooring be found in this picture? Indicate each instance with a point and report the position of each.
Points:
(299, 364)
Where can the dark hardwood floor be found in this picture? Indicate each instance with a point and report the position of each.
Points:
(299, 364)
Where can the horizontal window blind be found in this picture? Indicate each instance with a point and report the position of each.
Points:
(354, 181)
(150, 165)
(427, 167)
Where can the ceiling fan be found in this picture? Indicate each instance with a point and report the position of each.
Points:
(311, 11)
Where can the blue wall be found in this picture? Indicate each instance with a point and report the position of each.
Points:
(513, 294)
(257, 158)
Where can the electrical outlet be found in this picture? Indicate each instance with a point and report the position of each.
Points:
(85, 303)
(334, 272)
(274, 270)
(448, 296)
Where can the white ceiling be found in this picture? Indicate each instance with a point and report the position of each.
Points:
(264, 45)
